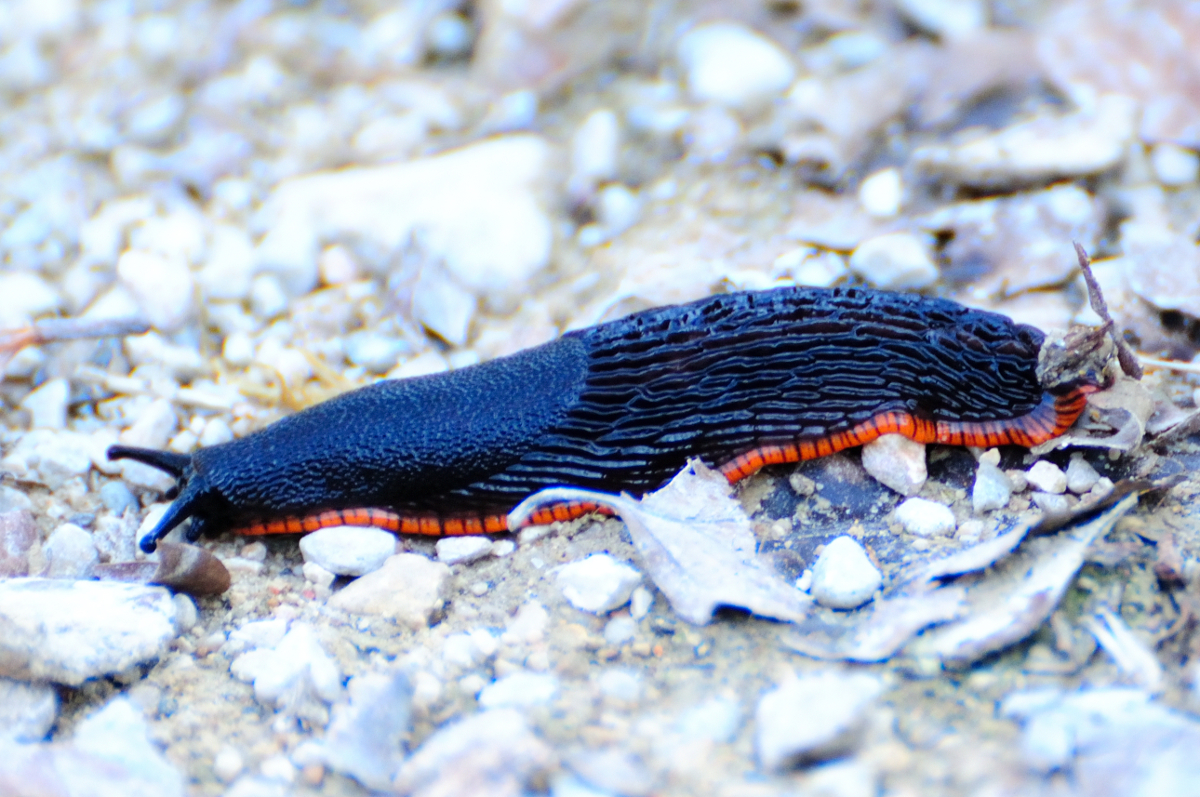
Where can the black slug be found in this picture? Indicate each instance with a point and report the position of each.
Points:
(740, 380)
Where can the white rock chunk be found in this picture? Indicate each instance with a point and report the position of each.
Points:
(895, 261)
(460, 550)
(1173, 165)
(992, 488)
(925, 518)
(843, 576)
(47, 405)
(882, 193)
(896, 462)
(594, 150)
(70, 552)
(813, 717)
(1081, 476)
(365, 737)
(598, 584)
(1047, 147)
(409, 589)
(729, 64)
(948, 19)
(520, 690)
(110, 754)
(463, 757)
(296, 669)
(27, 711)
(348, 550)
(479, 210)
(69, 631)
(1047, 477)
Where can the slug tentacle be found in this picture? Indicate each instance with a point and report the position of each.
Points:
(194, 498)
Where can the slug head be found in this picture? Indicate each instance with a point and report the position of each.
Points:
(192, 501)
(1083, 357)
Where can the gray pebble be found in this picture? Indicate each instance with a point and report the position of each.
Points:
(813, 717)
(462, 757)
(620, 630)
(116, 498)
(70, 552)
(896, 462)
(365, 737)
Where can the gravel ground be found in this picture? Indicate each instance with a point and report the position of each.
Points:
(286, 200)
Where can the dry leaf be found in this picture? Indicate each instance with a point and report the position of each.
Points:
(696, 545)
(1010, 602)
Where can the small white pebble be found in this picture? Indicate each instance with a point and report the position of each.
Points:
(479, 588)
(895, 261)
(620, 630)
(228, 764)
(461, 550)
(1047, 477)
(1173, 165)
(1081, 476)
(502, 548)
(1018, 480)
(267, 296)
(971, 531)
(731, 64)
(897, 462)
(843, 576)
(315, 574)
(1051, 503)
(238, 349)
(337, 265)
(215, 432)
(620, 684)
(279, 768)
(881, 193)
(47, 405)
(925, 518)
(598, 583)
(640, 603)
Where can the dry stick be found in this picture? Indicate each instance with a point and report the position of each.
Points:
(54, 329)
(1125, 356)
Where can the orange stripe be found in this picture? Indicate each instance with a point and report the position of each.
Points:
(1048, 420)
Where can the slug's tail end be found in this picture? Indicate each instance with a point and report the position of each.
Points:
(166, 461)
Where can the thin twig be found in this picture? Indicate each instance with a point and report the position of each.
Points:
(1171, 365)
(1125, 356)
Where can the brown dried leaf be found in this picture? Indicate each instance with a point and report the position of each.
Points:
(696, 544)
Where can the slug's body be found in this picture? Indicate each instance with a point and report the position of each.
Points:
(740, 380)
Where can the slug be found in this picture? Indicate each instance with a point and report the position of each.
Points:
(741, 380)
